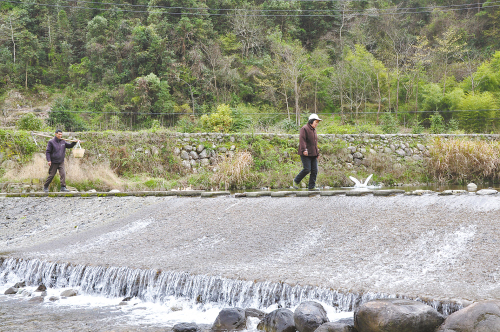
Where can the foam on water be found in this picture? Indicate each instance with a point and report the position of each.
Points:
(167, 298)
(137, 312)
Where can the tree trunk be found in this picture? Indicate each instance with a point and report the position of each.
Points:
(379, 98)
(416, 93)
(287, 106)
(192, 97)
(315, 96)
(12, 36)
(296, 93)
(445, 72)
(397, 84)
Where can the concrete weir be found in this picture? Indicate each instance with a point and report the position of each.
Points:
(430, 247)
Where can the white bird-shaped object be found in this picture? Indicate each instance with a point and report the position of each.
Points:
(358, 184)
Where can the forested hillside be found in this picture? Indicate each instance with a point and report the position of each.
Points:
(125, 63)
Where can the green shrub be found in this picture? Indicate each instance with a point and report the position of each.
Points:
(61, 117)
(240, 121)
(30, 122)
(219, 121)
(289, 126)
(416, 127)
(453, 125)
(390, 123)
(437, 124)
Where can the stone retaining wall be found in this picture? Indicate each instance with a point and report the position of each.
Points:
(192, 148)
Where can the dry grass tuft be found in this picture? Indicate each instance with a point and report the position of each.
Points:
(233, 171)
(464, 160)
(76, 172)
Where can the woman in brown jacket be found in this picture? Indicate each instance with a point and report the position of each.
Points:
(308, 151)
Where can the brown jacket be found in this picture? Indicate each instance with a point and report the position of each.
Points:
(308, 139)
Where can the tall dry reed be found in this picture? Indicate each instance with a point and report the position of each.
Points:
(461, 160)
(77, 171)
(233, 171)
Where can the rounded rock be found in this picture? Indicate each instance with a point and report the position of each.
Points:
(279, 320)
(396, 315)
(230, 319)
(309, 316)
(481, 316)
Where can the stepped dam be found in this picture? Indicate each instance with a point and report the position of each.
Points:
(253, 252)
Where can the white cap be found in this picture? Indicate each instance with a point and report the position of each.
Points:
(314, 116)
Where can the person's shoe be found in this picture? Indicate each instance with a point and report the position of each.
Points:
(314, 189)
(295, 185)
(45, 189)
(63, 189)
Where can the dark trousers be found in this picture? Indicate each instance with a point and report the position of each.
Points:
(52, 172)
(310, 165)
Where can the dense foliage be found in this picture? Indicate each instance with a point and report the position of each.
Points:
(138, 61)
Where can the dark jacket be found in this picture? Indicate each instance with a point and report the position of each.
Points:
(56, 150)
(308, 139)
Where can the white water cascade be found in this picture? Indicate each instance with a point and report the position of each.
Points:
(156, 286)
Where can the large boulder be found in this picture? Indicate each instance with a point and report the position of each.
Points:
(186, 327)
(230, 319)
(335, 327)
(69, 293)
(478, 317)
(396, 315)
(309, 316)
(279, 320)
(11, 291)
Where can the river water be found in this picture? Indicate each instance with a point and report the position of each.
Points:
(98, 313)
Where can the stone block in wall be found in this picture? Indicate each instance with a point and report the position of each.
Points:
(200, 148)
(188, 148)
(184, 155)
(401, 152)
(420, 147)
(193, 155)
(357, 155)
(387, 150)
(186, 164)
(204, 162)
(203, 154)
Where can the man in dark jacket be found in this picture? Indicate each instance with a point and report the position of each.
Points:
(308, 151)
(55, 153)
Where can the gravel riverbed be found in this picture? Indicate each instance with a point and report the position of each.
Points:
(430, 246)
